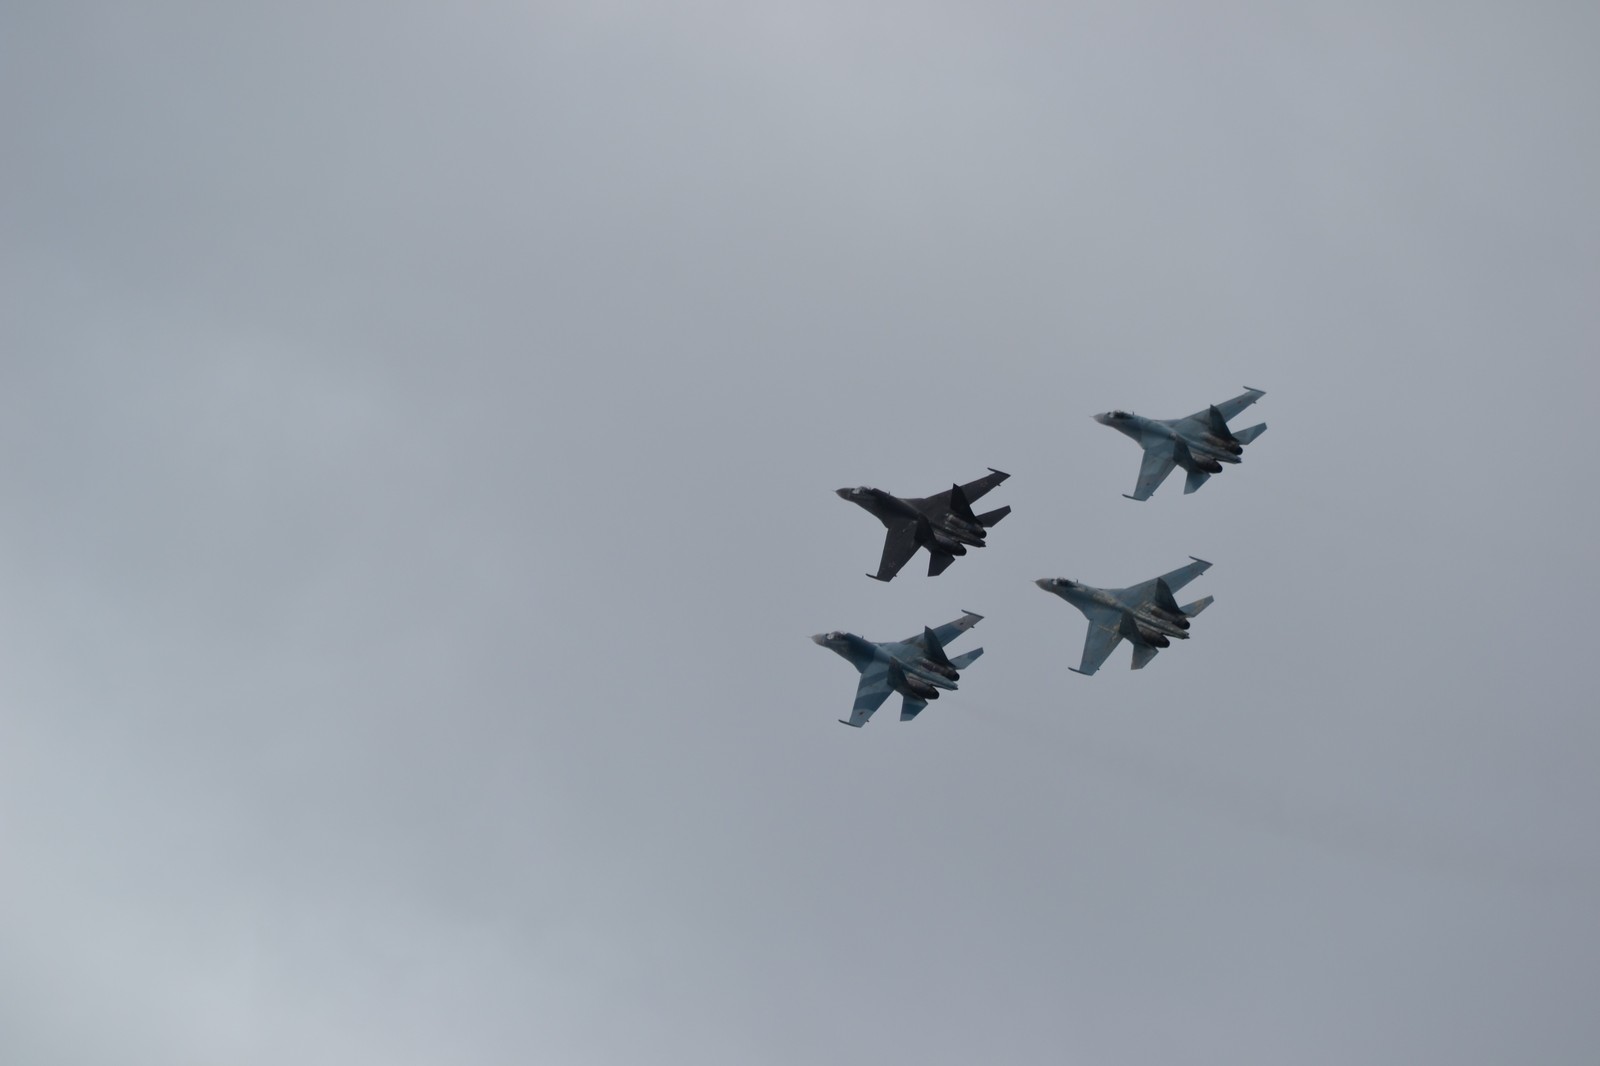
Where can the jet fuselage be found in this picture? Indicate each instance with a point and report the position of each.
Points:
(921, 675)
(1154, 625)
(952, 534)
(1202, 446)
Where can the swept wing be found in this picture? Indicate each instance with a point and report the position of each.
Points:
(1149, 591)
(973, 490)
(1158, 463)
(1200, 421)
(899, 545)
(946, 633)
(1102, 638)
(870, 694)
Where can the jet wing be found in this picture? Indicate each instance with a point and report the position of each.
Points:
(972, 490)
(1148, 591)
(1158, 463)
(898, 547)
(1101, 640)
(870, 694)
(947, 632)
(1229, 409)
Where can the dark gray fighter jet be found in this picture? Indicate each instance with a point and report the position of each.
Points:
(1200, 443)
(916, 667)
(944, 524)
(1146, 614)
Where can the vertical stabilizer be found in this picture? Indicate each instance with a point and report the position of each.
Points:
(960, 506)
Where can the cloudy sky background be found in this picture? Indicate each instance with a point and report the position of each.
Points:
(419, 432)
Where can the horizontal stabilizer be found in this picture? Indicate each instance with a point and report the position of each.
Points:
(1195, 479)
(1245, 436)
(1197, 606)
(966, 659)
(1143, 653)
(910, 708)
(938, 562)
(989, 518)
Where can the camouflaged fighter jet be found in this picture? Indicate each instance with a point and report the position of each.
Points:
(917, 668)
(1200, 443)
(944, 524)
(1146, 614)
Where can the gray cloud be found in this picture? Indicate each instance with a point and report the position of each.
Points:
(420, 437)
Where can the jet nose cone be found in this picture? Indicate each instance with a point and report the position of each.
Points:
(1045, 583)
(1103, 419)
(843, 494)
(819, 638)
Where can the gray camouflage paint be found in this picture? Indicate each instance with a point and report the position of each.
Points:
(1146, 615)
(916, 667)
(1200, 443)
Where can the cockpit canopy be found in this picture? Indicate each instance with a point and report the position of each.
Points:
(1120, 414)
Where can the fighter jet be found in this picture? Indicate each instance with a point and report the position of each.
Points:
(944, 524)
(1200, 443)
(1146, 614)
(917, 667)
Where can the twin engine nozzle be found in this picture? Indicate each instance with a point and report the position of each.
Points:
(1154, 639)
(1176, 618)
(949, 673)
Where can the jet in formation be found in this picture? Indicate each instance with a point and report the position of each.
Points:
(1200, 443)
(1146, 614)
(944, 524)
(917, 668)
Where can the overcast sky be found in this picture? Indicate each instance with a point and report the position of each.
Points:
(419, 427)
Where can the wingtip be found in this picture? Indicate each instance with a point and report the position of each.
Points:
(1197, 559)
(1075, 670)
(975, 615)
(1002, 473)
(1135, 499)
(852, 725)
(1258, 392)
(875, 577)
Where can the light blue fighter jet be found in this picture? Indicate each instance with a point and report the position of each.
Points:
(917, 668)
(1200, 443)
(1146, 614)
